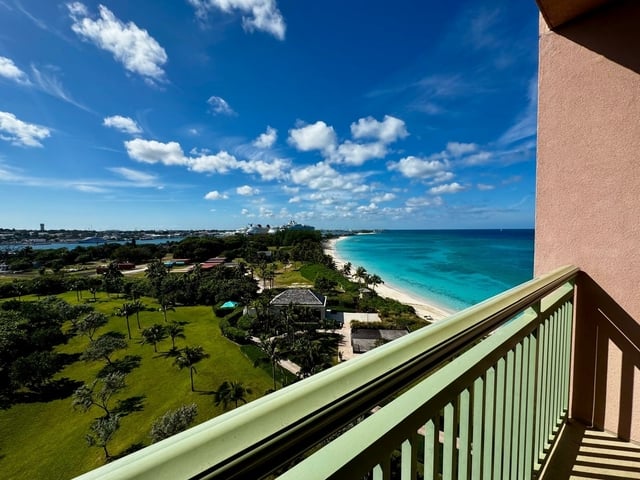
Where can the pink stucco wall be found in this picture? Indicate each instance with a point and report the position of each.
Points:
(588, 200)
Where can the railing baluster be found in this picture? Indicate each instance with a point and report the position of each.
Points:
(489, 413)
(520, 374)
(409, 459)
(478, 416)
(449, 444)
(431, 448)
(382, 471)
(531, 406)
(540, 391)
(464, 442)
(508, 415)
(498, 435)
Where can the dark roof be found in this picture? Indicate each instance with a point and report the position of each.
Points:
(299, 296)
(365, 339)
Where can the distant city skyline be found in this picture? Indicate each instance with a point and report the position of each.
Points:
(211, 114)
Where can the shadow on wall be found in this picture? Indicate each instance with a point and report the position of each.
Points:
(604, 330)
(611, 31)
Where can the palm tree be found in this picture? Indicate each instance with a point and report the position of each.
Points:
(361, 273)
(113, 278)
(165, 306)
(156, 273)
(154, 334)
(188, 358)
(124, 311)
(346, 269)
(375, 280)
(175, 330)
(273, 355)
(231, 392)
(137, 307)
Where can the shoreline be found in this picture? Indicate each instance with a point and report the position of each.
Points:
(422, 307)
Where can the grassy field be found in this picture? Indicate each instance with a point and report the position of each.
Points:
(47, 439)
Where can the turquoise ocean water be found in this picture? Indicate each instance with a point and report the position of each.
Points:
(453, 269)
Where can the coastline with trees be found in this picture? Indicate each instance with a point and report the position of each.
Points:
(105, 382)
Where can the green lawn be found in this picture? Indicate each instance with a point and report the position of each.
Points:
(46, 440)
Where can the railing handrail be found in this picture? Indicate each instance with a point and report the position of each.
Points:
(257, 438)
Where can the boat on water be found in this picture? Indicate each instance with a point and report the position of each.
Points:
(93, 240)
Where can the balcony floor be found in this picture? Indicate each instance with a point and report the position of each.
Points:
(582, 453)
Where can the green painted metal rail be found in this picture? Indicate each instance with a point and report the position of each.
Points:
(496, 391)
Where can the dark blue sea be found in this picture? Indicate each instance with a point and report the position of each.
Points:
(453, 269)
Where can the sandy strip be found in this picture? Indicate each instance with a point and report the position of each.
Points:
(423, 308)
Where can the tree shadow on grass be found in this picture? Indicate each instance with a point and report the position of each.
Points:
(129, 405)
(123, 365)
(68, 358)
(134, 447)
(171, 353)
(55, 390)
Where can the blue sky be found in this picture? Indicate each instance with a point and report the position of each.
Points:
(219, 113)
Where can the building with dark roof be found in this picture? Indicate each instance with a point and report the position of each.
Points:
(365, 339)
(301, 297)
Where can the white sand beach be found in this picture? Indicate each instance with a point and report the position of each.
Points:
(422, 307)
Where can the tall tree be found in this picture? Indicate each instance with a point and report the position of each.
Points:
(156, 273)
(361, 274)
(137, 307)
(375, 280)
(270, 347)
(90, 324)
(104, 347)
(346, 269)
(88, 396)
(113, 278)
(154, 334)
(188, 358)
(175, 330)
(124, 311)
(101, 432)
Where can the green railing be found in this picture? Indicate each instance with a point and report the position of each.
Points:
(478, 395)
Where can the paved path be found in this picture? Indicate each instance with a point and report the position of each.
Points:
(345, 349)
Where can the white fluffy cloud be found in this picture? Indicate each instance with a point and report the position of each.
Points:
(219, 106)
(386, 197)
(151, 151)
(247, 190)
(9, 70)
(267, 139)
(322, 176)
(221, 162)
(479, 158)
(132, 46)
(387, 131)
(171, 153)
(215, 195)
(21, 133)
(260, 14)
(275, 170)
(414, 167)
(317, 136)
(124, 124)
(358, 153)
(457, 148)
(454, 187)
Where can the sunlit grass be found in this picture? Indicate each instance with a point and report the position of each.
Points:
(46, 440)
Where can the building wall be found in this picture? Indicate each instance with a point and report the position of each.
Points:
(588, 201)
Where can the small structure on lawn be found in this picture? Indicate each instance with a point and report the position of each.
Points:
(365, 339)
(301, 297)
